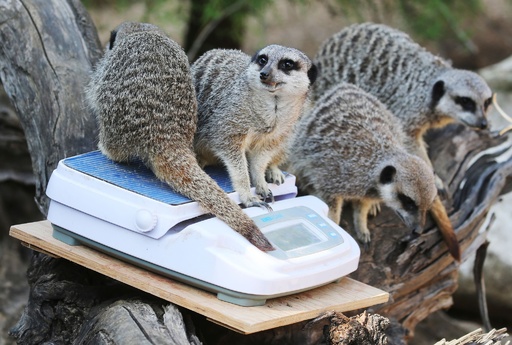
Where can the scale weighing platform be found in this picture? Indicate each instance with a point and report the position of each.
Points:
(124, 211)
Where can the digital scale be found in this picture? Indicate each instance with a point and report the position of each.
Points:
(125, 211)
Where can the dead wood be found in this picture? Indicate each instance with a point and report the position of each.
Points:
(478, 276)
(47, 50)
(493, 337)
(416, 268)
(361, 329)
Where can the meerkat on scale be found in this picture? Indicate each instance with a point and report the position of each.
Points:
(143, 96)
(248, 109)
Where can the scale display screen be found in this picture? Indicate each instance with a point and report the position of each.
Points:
(297, 231)
(293, 237)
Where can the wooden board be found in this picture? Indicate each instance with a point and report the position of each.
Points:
(345, 295)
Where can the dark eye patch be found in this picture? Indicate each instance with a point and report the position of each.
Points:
(288, 65)
(262, 60)
(407, 203)
(487, 103)
(466, 103)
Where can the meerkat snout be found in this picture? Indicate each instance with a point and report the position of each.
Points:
(263, 75)
(483, 123)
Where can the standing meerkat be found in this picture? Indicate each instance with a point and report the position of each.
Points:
(423, 90)
(350, 147)
(143, 96)
(247, 109)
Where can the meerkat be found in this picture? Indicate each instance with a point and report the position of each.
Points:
(423, 90)
(351, 148)
(247, 109)
(143, 96)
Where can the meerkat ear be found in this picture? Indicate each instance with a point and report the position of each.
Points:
(387, 174)
(312, 73)
(437, 92)
(255, 56)
(113, 35)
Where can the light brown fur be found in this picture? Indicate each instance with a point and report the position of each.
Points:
(351, 148)
(144, 99)
(248, 108)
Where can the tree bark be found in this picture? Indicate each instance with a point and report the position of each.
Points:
(416, 268)
(48, 49)
(47, 52)
(16, 205)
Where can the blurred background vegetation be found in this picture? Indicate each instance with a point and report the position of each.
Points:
(473, 33)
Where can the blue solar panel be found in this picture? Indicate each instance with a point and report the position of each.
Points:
(136, 177)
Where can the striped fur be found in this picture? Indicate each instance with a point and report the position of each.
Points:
(247, 109)
(350, 147)
(388, 64)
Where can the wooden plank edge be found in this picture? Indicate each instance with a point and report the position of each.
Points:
(70, 254)
(40, 250)
(75, 253)
(246, 328)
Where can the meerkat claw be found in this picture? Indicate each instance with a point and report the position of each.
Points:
(270, 196)
(261, 204)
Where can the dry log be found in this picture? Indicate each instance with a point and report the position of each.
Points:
(73, 305)
(47, 50)
(16, 205)
(416, 268)
(361, 329)
(493, 337)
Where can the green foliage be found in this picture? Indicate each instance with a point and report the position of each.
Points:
(224, 21)
(214, 9)
(431, 19)
(155, 11)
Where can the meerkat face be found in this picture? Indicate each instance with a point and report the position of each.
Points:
(282, 69)
(409, 191)
(462, 96)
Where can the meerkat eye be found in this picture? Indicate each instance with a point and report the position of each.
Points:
(286, 65)
(407, 203)
(466, 103)
(262, 60)
(487, 103)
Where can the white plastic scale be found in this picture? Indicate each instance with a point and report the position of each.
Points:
(123, 210)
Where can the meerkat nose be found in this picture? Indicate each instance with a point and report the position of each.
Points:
(263, 75)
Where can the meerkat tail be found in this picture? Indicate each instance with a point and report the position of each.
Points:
(185, 176)
(440, 216)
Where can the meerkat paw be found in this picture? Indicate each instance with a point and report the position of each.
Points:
(364, 236)
(256, 202)
(265, 193)
(374, 209)
(274, 175)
